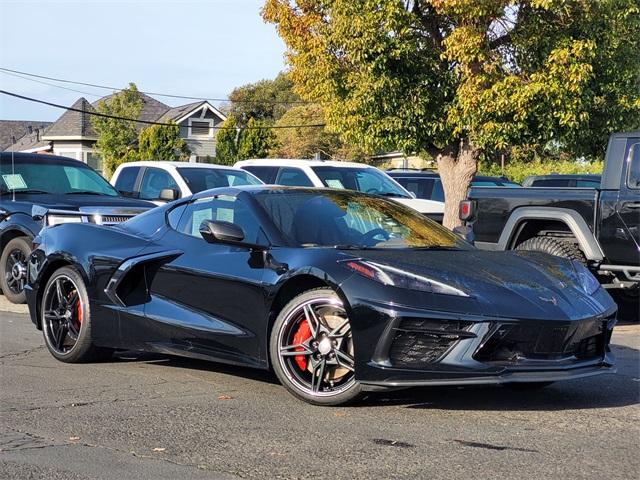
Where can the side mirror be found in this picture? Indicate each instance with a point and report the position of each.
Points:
(221, 232)
(413, 194)
(466, 233)
(169, 194)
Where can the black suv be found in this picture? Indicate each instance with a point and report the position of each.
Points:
(44, 190)
(426, 184)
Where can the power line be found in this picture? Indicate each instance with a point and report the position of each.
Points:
(147, 122)
(168, 95)
(49, 83)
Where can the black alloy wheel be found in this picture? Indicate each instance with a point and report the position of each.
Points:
(14, 264)
(66, 318)
(311, 349)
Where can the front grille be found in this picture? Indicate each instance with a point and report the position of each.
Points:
(417, 343)
(514, 343)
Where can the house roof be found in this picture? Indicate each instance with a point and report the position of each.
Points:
(17, 129)
(31, 142)
(177, 112)
(152, 109)
(72, 123)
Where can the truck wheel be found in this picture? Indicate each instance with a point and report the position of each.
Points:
(13, 269)
(554, 246)
(628, 300)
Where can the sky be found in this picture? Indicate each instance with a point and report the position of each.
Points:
(199, 48)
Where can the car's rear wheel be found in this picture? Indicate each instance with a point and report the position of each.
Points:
(554, 246)
(311, 349)
(628, 300)
(13, 263)
(65, 314)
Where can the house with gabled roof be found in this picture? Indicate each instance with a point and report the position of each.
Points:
(72, 135)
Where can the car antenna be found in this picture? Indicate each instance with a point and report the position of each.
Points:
(13, 165)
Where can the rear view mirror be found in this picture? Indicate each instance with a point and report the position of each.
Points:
(221, 232)
(466, 233)
(169, 194)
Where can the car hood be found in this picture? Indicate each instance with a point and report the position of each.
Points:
(92, 203)
(504, 284)
(422, 205)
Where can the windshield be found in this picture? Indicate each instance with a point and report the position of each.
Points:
(55, 179)
(366, 179)
(351, 220)
(199, 179)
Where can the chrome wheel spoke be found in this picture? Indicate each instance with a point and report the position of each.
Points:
(345, 360)
(317, 375)
(312, 320)
(336, 331)
(60, 335)
(291, 350)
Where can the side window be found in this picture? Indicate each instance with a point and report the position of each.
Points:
(221, 208)
(153, 181)
(553, 182)
(633, 178)
(587, 184)
(266, 174)
(126, 180)
(293, 177)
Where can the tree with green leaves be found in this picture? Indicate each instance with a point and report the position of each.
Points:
(265, 100)
(117, 139)
(162, 142)
(454, 78)
(306, 141)
(255, 140)
(227, 142)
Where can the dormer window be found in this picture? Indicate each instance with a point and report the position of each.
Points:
(201, 128)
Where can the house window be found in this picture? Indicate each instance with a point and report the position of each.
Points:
(201, 128)
(94, 160)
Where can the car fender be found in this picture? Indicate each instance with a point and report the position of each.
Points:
(572, 219)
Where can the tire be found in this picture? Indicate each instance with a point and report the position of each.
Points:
(554, 246)
(311, 349)
(13, 269)
(527, 387)
(65, 316)
(628, 300)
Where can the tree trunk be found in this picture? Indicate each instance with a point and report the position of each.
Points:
(456, 165)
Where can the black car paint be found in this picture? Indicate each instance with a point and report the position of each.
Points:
(217, 302)
(16, 209)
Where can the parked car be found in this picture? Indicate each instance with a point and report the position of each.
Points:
(427, 184)
(162, 181)
(598, 227)
(338, 291)
(44, 190)
(563, 181)
(342, 175)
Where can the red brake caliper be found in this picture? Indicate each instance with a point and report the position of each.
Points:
(302, 334)
(79, 312)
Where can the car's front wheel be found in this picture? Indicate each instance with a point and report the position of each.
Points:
(13, 266)
(65, 316)
(311, 349)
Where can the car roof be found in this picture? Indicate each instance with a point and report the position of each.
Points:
(45, 159)
(257, 189)
(589, 176)
(167, 163)
(432, 174)
(299, 162)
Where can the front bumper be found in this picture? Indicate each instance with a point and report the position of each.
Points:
(408, 347)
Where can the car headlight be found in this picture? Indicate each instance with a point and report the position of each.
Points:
(587, 281)
(58, 219)
(395, 277)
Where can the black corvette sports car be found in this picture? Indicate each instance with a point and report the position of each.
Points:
(339, 292)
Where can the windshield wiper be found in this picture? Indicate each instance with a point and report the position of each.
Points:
(391, 194)
(7, 192)
(84, 192)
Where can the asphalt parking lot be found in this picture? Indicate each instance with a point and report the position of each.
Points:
(163, 418)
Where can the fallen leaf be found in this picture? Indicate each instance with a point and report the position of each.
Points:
(340, 414)
(225, 397)
(159, 449)
(74, 438)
